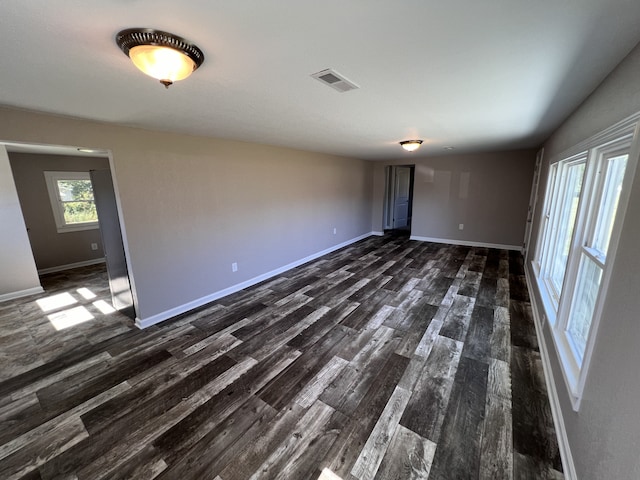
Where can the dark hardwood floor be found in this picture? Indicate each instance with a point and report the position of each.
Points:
(388, 359)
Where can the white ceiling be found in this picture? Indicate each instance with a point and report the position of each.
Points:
(475, 75)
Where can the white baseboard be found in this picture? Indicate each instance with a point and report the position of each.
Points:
(377, 234)
(167, 314)
(20, 293)
(69, 266)
(466, 243)
(556, 411)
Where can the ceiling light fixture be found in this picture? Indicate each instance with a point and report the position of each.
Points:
(161, 55)
(411, 145)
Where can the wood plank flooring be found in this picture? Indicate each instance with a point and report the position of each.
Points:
(388, 359)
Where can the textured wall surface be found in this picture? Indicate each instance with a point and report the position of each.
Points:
(488, 193)
(192, 205)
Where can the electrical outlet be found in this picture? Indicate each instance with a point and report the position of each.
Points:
(234, 267)
(94, 246)
(335, 230)
(461, 226)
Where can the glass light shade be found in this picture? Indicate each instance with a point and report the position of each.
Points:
(411, 145)
(162, 63)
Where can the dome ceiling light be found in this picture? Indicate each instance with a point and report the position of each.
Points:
(161, 55)
(411, 145)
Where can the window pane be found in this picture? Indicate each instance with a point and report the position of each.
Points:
(73, 190)
(581, 314)
(79, 212)
(76, 197)
(614, 174)
(564, 222)
(550, 198)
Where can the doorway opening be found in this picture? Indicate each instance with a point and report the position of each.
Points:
(68, 251)
(398, 205)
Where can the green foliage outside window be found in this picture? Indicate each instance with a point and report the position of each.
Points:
(77, 201)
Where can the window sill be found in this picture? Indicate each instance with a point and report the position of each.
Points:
(78, 227)
(570, 370)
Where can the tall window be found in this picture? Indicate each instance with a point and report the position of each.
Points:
(71, 195)
(584, 195)
(592, 252)
(560, 219)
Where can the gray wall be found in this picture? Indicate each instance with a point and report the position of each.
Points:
(50, 248)
(604, 435)
(488, 193)
(17, 267)
(191, 205)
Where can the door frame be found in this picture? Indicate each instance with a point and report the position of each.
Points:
(50, 149)
(389, 195)
(112, 243)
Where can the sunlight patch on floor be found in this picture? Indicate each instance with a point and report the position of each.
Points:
(70, 317)
(86, 293)
(327, 474)
(104, 307)
(56, 301)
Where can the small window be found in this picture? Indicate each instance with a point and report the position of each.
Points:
(71, 195)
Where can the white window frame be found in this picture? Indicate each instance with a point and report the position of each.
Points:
(619, 139)
(556, 188)
(51, 179)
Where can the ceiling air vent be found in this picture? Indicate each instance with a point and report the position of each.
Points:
(334, 80)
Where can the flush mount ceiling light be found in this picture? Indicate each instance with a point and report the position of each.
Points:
(411, 145)
(161, 55)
